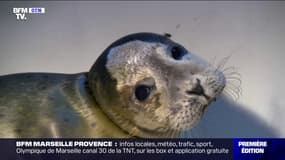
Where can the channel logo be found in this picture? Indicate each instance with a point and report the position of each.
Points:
(21, 13)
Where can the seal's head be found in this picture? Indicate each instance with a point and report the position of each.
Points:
(151, 86)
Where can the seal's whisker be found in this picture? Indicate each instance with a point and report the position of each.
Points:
(237, 79)
(222, 63)
(230, 68)
(238, 93)
(167, 132)
(234, 94)
(164, 131)
(170, 133)
(175, 132)
(231, 98)
(233, 86)
(234, 83)
(233, 73)
(233, 76)
(229, 95)
(230, 92)
(232, 89)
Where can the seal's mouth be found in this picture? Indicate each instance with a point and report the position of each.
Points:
(193, 92)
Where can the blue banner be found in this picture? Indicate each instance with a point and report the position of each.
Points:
(121, 149)
(259, 148)
(142, 149)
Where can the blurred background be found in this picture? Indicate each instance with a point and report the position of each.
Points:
(70, 35)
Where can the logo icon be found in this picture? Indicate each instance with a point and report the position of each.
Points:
(21, 13)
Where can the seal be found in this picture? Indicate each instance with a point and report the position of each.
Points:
(142, 85)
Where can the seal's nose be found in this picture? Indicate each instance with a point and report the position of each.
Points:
(199, 90)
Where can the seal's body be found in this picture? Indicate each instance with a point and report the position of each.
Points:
(51, 105)
(142, 85)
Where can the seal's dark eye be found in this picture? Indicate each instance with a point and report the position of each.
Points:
(142, 92)
(176, 52)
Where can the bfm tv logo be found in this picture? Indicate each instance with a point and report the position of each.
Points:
(21, 12)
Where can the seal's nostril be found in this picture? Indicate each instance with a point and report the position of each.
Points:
(198, 81)
(198, 89)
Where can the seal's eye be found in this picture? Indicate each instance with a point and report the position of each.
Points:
(176, 52)
(142, 92)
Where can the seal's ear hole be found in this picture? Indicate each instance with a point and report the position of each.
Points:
(142, 92)
(167, 35)
(177, 52)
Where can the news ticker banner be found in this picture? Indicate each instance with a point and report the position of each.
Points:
(145, 149)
